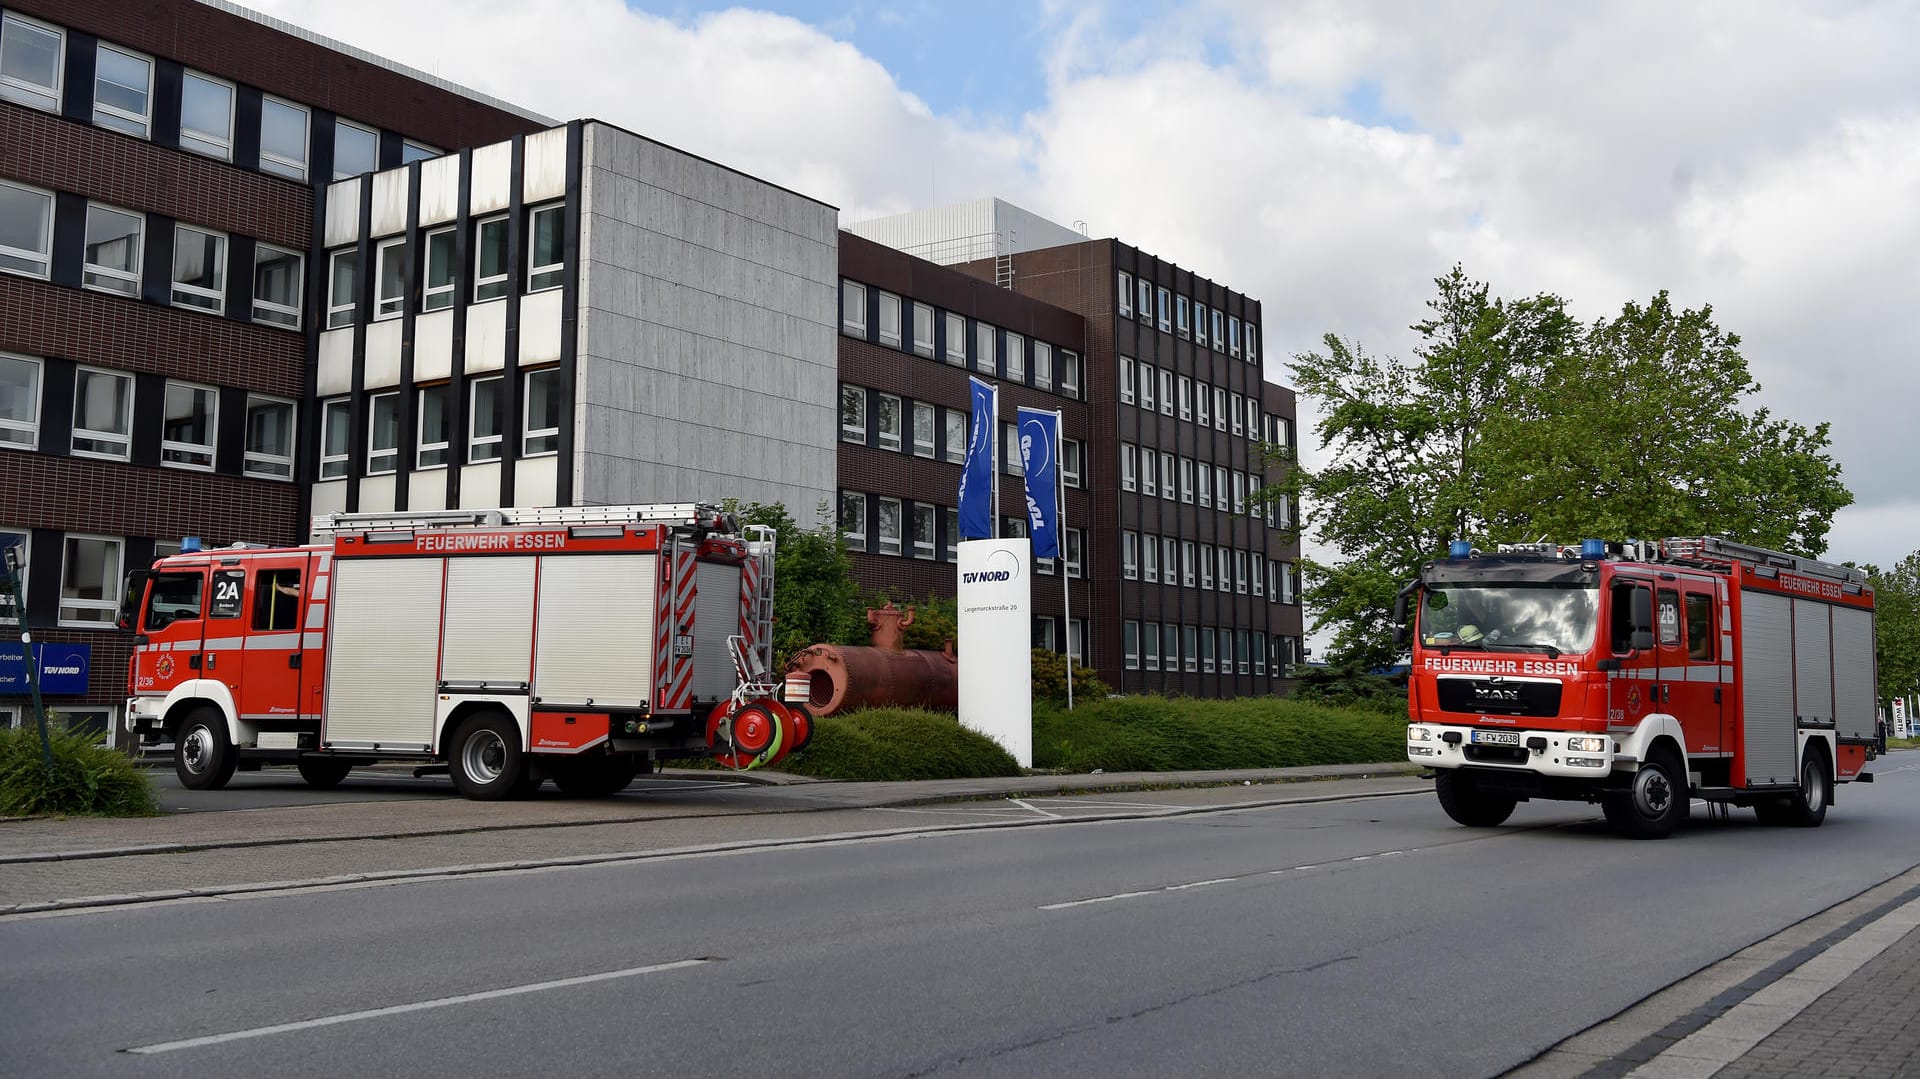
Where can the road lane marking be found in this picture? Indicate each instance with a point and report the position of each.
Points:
(417, 1006)
(1024, 804)
(1066, 904)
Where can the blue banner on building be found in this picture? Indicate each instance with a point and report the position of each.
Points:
(63, 669)
(1039, 452)
(976, 476)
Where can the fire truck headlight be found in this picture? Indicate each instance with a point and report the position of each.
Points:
(1419, 734)
(1586, 762)
(1586, 744)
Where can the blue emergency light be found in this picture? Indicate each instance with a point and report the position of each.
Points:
(189, 544)
(1593, 548)
(1460, 549)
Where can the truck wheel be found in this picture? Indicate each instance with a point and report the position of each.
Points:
(485, 759)
(323, 773)
(1467, 804)
(1656, 803)
(1808, 807)
(596, 777)
(203, 754)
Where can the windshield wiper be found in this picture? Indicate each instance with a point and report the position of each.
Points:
(1552, 650)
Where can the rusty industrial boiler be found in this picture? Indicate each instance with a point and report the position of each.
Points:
(843, 677)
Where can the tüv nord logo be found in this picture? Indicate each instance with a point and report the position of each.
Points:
(1002, 566)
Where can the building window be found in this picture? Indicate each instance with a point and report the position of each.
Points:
(1202, 410)
(956, 340)
(956, 425)
(1010, 460)
(1205, 484)
(1289, 590)
(1180, 320)
(1150, 559)
(1206, 649)
(1166, 391)
(923, 531)
(1186, 480)
(1147, 383)
(486, 420)
(950, 535)
(1130, 645)
(853, 519)
(276, 286)
(1148, 469)
(435, 432)
(1186, 398)
(31, 54)
(112, 250)
(1189, 647)
(1253, 572)
(19, 402)
(283, 138)
(22, 540)
(1165, 304)
(1226, 569)
(1125, 293)
(1206, 567)
(1043, 633)
(438, 293)
(336, 435)
(1074, 553)
(1016, 358)
(889, 319)
(1129, 455)
(383, 434)
(490, 278)
(206, 115)
(1170, 646)
(1259, 653)
(199, 269)
(1240, 572)
(853, 414)
(984, 337)
(1253, 418)
(547, 264)
(1168, 474)
(1169, 561)
(355, 149)
(102, 413)
(1130, 555)
(1253, 346)
(1150, 645)
(1077, 639)
(1145, 306)
(1126, 380)
(1042, 366)
(1219, 337)
(888, 414)
(925, 431)
(853, 309)
(889, 526)
(1071, 455)
(1199, 323)
(1239, 492)
(26, 229)
(1233, 335)
(89, 580)
(390, 272)
(1219, 409)
(923, 330)
(188, 424)
(1188, 563)
(1070, 373)
(411, 151)
(1240, 650)
(122, 90)
(541, 403)
(269, 438)
(343, 269)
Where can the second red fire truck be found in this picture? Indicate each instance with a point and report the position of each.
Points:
(514, 646)
(1641, 676)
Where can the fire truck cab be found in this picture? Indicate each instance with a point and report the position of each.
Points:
(1640, 675)
(508, 646)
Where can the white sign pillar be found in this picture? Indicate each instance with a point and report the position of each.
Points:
(996, 642)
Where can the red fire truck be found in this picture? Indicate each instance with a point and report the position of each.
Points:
(1640, 675)
(575, 644)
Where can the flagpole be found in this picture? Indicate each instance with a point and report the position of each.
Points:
(1060, 513)
(993, 432)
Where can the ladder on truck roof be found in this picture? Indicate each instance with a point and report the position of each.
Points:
(1713, 550)
(326, 525)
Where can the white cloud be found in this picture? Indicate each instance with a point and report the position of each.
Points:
(1330, 157)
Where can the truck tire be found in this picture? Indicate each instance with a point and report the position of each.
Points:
(323, 773)
(1467, 804)
(598, 776)
(203, 753)
(1808, 806)
(485, 760)
(1656, 803)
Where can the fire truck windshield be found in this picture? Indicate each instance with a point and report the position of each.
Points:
(1552, 618)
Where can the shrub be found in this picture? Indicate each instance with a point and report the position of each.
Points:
(1348, 686)
(1158, 734)
(88, 779)
(1050, 679)
(899, 743)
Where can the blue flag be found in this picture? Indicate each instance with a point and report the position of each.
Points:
(976, 476)
(1040, 453)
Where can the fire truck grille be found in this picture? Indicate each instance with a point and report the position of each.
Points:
(1496, 754)
(1499, 697)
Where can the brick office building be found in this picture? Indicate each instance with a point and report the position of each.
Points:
(158, 163)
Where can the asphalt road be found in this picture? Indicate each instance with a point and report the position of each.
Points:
(1360, 938)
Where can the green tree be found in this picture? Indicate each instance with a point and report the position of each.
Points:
(1514, 422)
(815, 598)
(1896, 598)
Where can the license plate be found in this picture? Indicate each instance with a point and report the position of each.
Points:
(1496, 738)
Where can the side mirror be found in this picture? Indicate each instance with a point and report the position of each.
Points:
(1402, 633)
(1641, 640)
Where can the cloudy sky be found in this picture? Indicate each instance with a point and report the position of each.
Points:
(1329, 158)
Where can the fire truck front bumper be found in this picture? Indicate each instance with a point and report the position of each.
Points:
(1567, 754)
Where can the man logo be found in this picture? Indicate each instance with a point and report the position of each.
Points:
(1001, 566)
